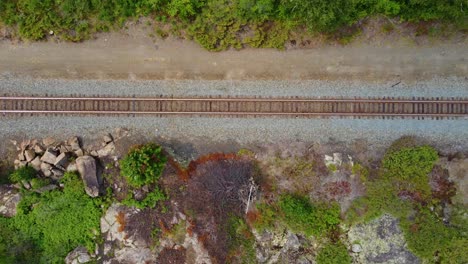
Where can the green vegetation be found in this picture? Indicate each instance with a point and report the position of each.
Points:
(143, 165)
(216, 24)
(402, 189)
(301, 216)
(333, 253)
(241, 241)
(150, 201)
(25, 173)
(49, 225)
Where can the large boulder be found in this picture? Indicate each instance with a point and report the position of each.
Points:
(9, 199)
(77, 256)
(86, 166)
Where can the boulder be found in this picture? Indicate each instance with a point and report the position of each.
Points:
(74, 143)
(356, 248)
(72, 166)
(45, 168)
(48, 141)
(77, 256)
(61, 160)
(21, 156)
(79, 152)
(56, 173)
(29, 155)
(49, 156)
(107, 150)
(46, 188)
(36, 163)
(9, 199)
(65, 149)
(86, 166)
(108, 138)
(38, 149)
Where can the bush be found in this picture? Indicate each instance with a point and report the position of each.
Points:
(49, 225)
(149, 201)
(301, 216)
(25, 173)
(143, 165)
(333, 254)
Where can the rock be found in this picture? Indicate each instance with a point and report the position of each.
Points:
(61, 160)
(9, 199)
(29, 155)
(56, 173)
(86, 166)
(38, 149)
(107, 150)
(26, 184)
(46, 188)
(19, 163)
(49, 156)
(77, 256)
(21, 156)
(79, 152)
(94, 153)
(65, 149)
(74, 143)
(135, 255)
(108, 138)
(356, 248)
(292, 242)
(48, 141)
(36, 163)
(72, 166)
(45, 168)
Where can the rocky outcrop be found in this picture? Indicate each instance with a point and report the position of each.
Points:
(86, 166)
(77, 256)
(9, 199)
(380, 241)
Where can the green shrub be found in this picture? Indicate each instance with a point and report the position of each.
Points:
(143, 165)
(149, 201)
(266, 217)
(49, 225)
(241, 241)
(333, 254)
(301, 216)
(25, 173)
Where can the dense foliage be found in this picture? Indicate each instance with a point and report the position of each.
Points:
(50, 225)
(216, 24)
(403, 190)
(335, 253)
(25, 173)
(301, 216)
(150, 201)
(143, 165)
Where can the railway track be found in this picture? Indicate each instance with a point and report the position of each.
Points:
(237, 106)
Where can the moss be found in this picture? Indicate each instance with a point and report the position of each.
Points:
(333, 254)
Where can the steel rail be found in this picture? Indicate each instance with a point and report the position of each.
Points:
(228, 113)
(234, 99)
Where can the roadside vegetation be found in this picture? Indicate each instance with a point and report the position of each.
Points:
(212, 193)
(217, 24)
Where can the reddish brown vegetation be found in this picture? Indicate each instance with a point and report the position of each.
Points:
(413, 196)
(337, 190)
(215, 189)
(252, 216)
(442, 188)
(172, 256)
(120, 218)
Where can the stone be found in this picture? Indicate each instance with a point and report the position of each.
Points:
(79, 152)
(45, 169)
(29, 155)
(292, 242)
(74, 143)
(46, 188)
(61, 160)
(21, 156)
(49, 156)
(9, 199)
(38, 149)
(94, 153)
(48, 141)
(26, 184)
(107, 150)
(356, 248)
(108, 138)
(20, 163)
(77, 256)
(72, 166)
(36, 163)
(65, 149)
(56, 173)
(86, 166)
(135, 255)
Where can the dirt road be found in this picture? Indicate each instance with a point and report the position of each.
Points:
(138, 56)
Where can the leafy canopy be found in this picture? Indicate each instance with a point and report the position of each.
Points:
(143, 165)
